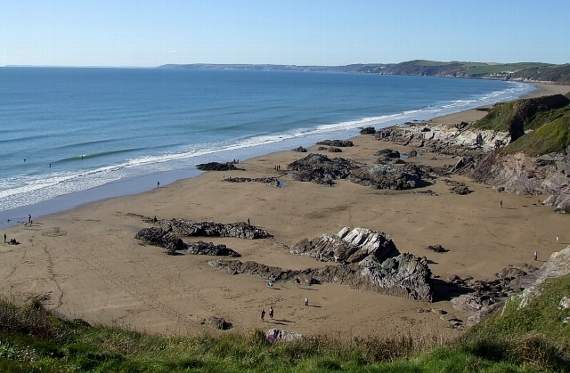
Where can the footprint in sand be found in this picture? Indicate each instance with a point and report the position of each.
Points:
(54, 232)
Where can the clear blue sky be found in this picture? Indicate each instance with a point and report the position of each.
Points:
(323, 32)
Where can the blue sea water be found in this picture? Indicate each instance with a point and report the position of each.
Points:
(68, 130)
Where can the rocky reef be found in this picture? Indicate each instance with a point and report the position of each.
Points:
(264, 180)
(175, 245)
(347, 246)
(320, 169)
(337, 143)
(217, 166)
(390, 176)
(188, 228)
(364, 259)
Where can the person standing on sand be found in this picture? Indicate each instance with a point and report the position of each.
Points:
(501, 203)
(157, 184)
(271, 312)
(262, 314)
(306, 302)
(5, 238)
(30, 219)
(536, 256)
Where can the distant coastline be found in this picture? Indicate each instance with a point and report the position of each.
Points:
(519, 71)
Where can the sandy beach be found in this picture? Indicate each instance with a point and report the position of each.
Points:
(88, 264)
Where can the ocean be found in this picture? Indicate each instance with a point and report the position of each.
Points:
(75, 135)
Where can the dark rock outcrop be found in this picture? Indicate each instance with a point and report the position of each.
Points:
(217, 166)
(160, 237)
(404, 275)
(175, 245)
(365, 259)
(300, 149)
(390, 176)
(209, 248)
(368, 131)
(337, 143)
(265, 180)
(188, 228)
(320, 169)
(332, 149)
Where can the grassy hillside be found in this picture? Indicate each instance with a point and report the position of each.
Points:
(529, 340)
(537, 125)
(557, 73)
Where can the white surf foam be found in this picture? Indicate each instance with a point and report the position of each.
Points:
(26, 190)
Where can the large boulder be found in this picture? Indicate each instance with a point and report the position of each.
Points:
(320, 169)
(347, 246)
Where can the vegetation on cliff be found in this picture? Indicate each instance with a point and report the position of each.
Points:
(515, 340)
(537, 125)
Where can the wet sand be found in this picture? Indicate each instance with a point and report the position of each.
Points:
(89, 264)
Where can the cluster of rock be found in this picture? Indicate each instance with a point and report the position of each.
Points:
(520, 173)
(188, 228)
(454, 140)
(320, 169)
(390, 176)
(485, 297)
(218, 166)
(337, 143)
(347, 246)
(175, 245)
(300, 149)
(374, 259)
(364, 259)
(265, 180)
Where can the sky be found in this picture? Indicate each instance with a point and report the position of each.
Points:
(311, 32)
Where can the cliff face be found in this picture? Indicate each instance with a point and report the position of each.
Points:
(520, 116)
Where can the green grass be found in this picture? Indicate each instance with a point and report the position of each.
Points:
(528, 340)
(551, 137)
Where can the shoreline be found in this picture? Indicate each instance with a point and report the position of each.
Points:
(88, 265)
(145, 183)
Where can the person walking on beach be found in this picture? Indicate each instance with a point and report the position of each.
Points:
(501, 203)
(535, 256)
(306, 302)
(262, 314)
(271, 312)
(5, 238)
(157, 184)
(30, 219)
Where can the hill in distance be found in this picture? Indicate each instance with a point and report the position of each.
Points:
(535, 71)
